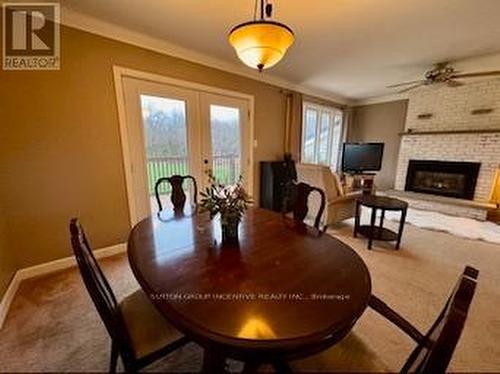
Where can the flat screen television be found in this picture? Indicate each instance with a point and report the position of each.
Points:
(361, 157)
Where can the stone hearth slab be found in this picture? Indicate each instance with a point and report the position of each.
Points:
(447, 205)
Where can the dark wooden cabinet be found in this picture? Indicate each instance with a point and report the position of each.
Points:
(274, 175)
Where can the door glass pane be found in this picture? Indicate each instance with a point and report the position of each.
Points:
(309, 135)
(324, 137)
(165, 133)
(226, 147)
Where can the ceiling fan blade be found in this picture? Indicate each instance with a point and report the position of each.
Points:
(453, 83)
(420, 81)
(479, 74)
(412, 87)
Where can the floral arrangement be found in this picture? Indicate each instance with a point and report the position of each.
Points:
(231, 201)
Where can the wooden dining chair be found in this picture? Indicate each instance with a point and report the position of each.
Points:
(178, 196)
(435, 349)
(139, 333)
(296, 198)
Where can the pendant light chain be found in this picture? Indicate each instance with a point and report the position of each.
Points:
(266, 9)
(269, 9)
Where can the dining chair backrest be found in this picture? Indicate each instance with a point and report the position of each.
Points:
(99, 289)
(434, 352)
(296, 197)
(178, 196)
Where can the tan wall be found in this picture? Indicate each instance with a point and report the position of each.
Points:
(62, 145)
(381, 123)
(7, 262)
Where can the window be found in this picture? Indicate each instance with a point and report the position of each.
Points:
(321, 135)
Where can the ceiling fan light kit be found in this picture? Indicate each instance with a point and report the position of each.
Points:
(443, 73)
(262, 43)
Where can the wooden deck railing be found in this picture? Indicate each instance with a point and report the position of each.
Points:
(226, 169)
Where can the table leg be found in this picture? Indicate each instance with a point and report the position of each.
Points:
(401, 227)
(372, 228)
(213, 362)
(281, 367)
(251, 367)
(382, 216)
(356, 219)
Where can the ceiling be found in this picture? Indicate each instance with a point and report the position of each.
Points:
(351, 48)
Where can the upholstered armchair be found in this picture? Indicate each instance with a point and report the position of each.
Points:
(339, 205)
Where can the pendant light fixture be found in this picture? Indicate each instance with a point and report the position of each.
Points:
(261, 43)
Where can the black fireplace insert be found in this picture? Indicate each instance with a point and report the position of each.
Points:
(446, 178)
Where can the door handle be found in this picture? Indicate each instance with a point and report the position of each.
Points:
(205, 161)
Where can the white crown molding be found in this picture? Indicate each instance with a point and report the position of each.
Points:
(46, 268)
(80, 21)
(380, 99)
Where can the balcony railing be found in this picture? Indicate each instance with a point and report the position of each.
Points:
(225, 168)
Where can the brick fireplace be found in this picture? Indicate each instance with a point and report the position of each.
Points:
(450, 132)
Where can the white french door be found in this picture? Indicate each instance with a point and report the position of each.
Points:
(176, 130)
(225, 139)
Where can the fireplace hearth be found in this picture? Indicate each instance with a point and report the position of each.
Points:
(445, 178)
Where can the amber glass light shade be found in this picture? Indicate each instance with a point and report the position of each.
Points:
(261, 44)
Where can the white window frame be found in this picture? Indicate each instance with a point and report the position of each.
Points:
(332, 112)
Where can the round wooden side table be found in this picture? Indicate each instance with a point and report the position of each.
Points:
(373, 232)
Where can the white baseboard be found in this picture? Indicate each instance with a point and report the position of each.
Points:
(46, 268)
(8, 297)
(66, 262)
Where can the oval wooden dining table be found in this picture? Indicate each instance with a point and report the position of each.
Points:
(283, 292)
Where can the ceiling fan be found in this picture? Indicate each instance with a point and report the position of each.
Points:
(443, 73)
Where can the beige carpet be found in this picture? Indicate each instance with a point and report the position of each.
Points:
(53, 326)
